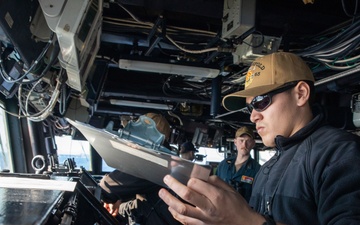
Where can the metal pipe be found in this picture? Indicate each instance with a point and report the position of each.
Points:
(337, 76)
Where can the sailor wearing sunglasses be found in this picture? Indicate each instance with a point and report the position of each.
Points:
(312, 179)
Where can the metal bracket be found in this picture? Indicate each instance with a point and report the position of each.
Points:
(142, 132)
(155, 39)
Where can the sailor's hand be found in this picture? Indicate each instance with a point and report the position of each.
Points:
(113, 208)
(212, 202)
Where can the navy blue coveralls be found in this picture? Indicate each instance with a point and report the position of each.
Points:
(241, 180)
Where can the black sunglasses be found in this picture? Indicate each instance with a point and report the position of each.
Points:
(261, 102)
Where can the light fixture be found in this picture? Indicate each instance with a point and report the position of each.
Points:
(140, 104)
(168, 68)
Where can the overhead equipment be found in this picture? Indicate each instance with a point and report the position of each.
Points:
(255, 45)
(77, 25)
(238, 17)
(239, 26)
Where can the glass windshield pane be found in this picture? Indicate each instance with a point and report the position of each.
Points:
(5, 154)
(265, 156)
(105, 168)
(74, 149)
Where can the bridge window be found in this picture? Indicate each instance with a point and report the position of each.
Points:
(265, 155)
(74, 149)
(5, 154)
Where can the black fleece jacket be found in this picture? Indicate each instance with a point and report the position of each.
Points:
(314, 178)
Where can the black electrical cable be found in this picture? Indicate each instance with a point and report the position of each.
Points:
(53, 58)
(347, 53)
(330, 42)
(39, 58)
